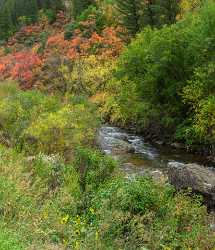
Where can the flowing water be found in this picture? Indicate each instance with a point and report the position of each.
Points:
(138, 156)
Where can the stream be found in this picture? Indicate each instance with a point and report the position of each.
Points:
(138, 157)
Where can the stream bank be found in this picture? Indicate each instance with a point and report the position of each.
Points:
(138, 157)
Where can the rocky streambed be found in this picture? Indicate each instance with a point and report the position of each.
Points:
(138, 157)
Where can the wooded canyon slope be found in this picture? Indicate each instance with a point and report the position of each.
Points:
(69, 68)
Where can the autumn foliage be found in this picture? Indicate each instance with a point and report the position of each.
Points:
(21, 66)
(107, 44)
(24, 64)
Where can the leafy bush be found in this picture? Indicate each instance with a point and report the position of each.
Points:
(91, 15)
(121, 104)
(8, 88)
(50, 14)
(41, 194)
(18, 109)
(198, 94)
(94, 167)
(139, 213)
(39, 123)
(60, 131)
(88, 76)
(166, 77)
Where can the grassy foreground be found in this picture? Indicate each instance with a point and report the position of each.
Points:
(57, 191)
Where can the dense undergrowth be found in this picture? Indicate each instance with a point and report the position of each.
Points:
(46, 202)
(56, 190)
(59, 81)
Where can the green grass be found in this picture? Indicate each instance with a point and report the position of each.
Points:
(9, 241)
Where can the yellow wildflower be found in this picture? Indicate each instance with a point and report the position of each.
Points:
(65, 219)
(78, 220)
(92, 210)
(45, 215)
(65, 242)
(77, 232)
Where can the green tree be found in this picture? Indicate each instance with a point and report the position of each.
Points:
(169, 9)
(6, 22)
(129, 10)
(12, 10)
(166, 79)
(136, 14)
(26, 8)
(50, 4)
(149, 13)
(78, 6)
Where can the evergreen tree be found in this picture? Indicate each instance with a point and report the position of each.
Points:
(149, 13)
(6, 25)
(78, 6)
(12, 10)
(129, 10)
(50, 4)
(136, 14)
(25, 8)
(169, 9)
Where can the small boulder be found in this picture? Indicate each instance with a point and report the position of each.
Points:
(114, 145)
(158, 176)
(121, 147)
(178, 145)
(161, 143)
(199, 178)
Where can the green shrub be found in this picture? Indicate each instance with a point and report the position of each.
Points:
(139, 213)
(61, 131)
(38, 123)
(8, 88)
(19, 109)
(91, 15)
(24, 20)
(51, 15)
(78, 6)
(94, 167)
(199, 95)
